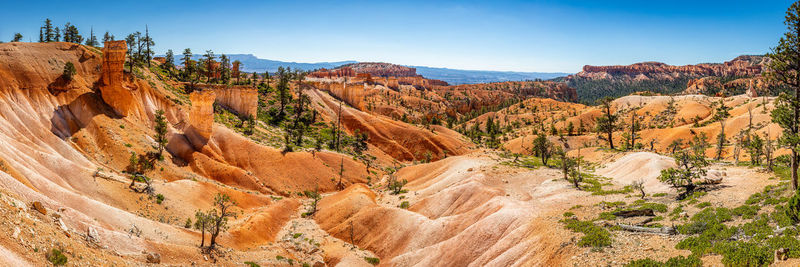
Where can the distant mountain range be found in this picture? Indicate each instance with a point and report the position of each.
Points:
(454, 76)
(252, 63)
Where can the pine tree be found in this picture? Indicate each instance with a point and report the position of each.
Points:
(783, 68)
(148, 44)
(49, 34)
(17, 37)
(58, 35)
(209, 60)
(169, 61)
(161, 132)
(92, 40)
(607, 123)
(108, 37)
(186, 61)
(130, 40)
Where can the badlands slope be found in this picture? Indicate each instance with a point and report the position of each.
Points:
(62, 145)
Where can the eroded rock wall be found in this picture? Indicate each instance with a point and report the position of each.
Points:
(243, 101)
(201, 116)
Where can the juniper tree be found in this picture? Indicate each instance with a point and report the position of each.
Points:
(201, 222)
(17, 37)
(219, 216)
(691, 167)
(784, 68)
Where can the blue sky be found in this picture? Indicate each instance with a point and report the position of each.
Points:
(545, 36)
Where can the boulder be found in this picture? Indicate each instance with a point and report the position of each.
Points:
(153, 257)
(39, 207)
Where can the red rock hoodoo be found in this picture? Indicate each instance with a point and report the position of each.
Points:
(114, 94)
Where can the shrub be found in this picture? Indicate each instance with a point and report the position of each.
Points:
(404, 205)
(746, 211)
(251, 264)
(373, 261)
(703, 205)
(679, 261)
(159, 198)
(654, 206)
(56, 257)
(740, 253)
(593, 235)
(69, 71)
(793, 208)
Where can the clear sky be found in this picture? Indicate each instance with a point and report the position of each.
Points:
(545, 36)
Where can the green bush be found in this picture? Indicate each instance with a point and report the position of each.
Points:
(593, 235)
(679, 261)
(69, 71)
(251, 264)
(793, 208)
(746, 211)
(159, 198)
(373, 261)
(56, 257)
(740, 253)
(654, 206)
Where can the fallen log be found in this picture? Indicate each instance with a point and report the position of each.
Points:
(646, 221)
(663, 230)
(634, 213)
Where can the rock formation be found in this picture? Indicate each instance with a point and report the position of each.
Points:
(352, 94)
(235, 69)
(383, 69)
(243, 101)
(740, 66)
(114, 94)
(201, 117)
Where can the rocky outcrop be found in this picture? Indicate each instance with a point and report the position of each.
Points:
(740, 66)
(335, 73)
(235, 69)
(352, 94)
(389, 75)
(111, 88)
(383, 69)
(201, 117)
(243, 101)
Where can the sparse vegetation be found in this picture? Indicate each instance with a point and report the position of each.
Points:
(69, 71)
(56, 257)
